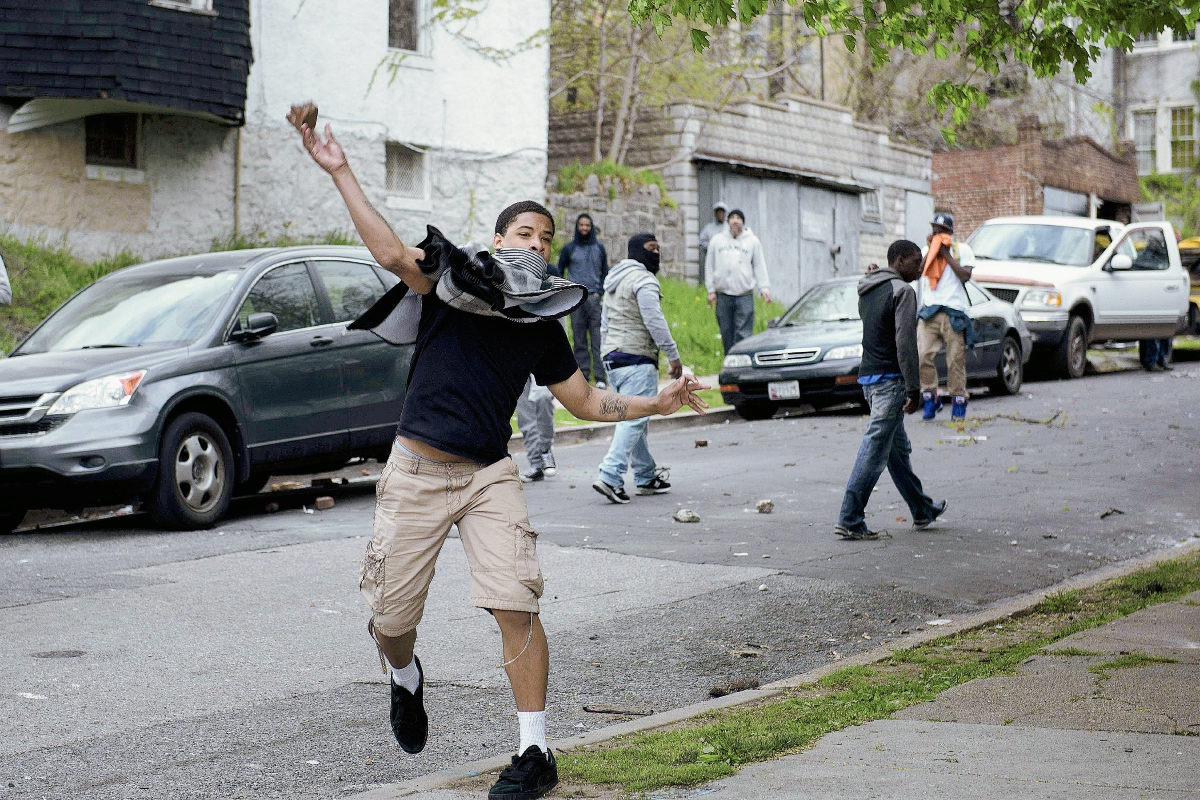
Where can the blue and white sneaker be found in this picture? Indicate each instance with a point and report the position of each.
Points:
(933, 404)
(958, 408)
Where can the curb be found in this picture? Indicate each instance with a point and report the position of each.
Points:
(1007, 608)
(577, 434)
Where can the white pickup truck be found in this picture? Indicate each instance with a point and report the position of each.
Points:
(1077, 280)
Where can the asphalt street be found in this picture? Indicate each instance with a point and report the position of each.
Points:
(234, 662)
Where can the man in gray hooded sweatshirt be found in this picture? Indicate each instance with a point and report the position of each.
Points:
(585, 261)
(633, 330)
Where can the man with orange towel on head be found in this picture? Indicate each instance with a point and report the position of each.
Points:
(942, 311)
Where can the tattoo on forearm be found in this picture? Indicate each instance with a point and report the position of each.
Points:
(615, 405)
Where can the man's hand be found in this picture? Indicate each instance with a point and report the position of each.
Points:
(766, 294)
(911, 404)
(679, 393)
(328, 154)
(712, 298)
(675, 368)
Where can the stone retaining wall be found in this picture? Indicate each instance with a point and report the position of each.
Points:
(618, 218)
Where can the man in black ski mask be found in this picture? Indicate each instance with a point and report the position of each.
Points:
(585, 260)
(633, 330)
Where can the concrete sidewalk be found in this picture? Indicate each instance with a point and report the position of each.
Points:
(1063, 727)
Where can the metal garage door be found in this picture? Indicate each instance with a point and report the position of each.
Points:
(808, 234)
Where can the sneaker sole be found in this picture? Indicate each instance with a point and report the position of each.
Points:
(644, 492)
(525, 479)
(549, 472)
(608, 493)
(533, 795)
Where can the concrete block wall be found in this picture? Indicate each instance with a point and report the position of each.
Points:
(620, 217)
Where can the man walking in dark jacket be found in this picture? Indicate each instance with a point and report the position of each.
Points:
(890, 376)
(585, 261)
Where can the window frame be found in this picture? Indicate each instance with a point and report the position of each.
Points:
(1194, 139)
(1152, 116)
(323, 290)
(395, 198)
(318, 288)
(134, 128)
(871, 214)
(422, 20)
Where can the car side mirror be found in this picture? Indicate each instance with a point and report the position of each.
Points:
(257, 326)
(773, 322)
(1120, 262)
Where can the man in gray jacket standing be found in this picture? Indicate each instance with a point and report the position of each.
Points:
(633, 330)
(734, 268)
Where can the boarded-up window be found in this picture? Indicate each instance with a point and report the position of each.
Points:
(111, 140)
(403, 24)
(405, 171)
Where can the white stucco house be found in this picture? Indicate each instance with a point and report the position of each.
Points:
(182, 139)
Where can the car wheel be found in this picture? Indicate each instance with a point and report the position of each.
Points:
(1071, 359)
(755, 410)
(1009, 372)
(195, 474)
(10, 518)
(252, 485)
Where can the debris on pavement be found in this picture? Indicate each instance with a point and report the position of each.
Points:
(939, 622)
(764, 506)
(702, 443)
(286, 485)
(1110, 512)
(762, 587)
(733, 687)
(366, 473)
(622, 711)
(322, 483)
(323, 503)
(686, 515)
(306, 510)
(271, 508)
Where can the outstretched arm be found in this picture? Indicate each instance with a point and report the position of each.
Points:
(391, 253)
(587, 402)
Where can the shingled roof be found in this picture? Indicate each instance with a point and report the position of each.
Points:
(127, 50)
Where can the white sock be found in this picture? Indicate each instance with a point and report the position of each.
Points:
(407, 677)
(533, 730)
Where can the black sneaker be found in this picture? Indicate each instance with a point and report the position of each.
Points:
(657, 486)
(530, 775)
(938, 510)
(855, 536)
(409, 723)
(533, 474)
(615, 494)
(548, 466)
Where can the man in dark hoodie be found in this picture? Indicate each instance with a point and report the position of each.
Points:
(585, 261)
(890, 376)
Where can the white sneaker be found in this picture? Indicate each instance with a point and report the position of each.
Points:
(548, 466)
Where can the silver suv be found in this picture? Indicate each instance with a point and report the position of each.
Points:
(1077, 280)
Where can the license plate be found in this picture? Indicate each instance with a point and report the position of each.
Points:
(783, 390)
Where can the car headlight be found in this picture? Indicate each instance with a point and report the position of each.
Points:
(1042, 297)
(107, 392)
(737, 360)
(848, 351)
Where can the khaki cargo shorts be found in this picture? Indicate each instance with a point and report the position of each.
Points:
(417, 502)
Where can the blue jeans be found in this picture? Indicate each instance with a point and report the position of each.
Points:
(884, 444)
(629, 446)
(735, 318)
(1155, 351)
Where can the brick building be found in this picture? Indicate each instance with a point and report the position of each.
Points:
(824, 193)
(1068, 177)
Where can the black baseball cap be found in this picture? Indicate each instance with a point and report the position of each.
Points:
(944, 219)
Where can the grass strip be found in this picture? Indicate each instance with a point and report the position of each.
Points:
(714, 745)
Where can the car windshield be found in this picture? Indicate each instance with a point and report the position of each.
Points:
(142, 309)
(836, 303)
(1054, 244)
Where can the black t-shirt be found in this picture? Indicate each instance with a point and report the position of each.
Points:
(467, 374)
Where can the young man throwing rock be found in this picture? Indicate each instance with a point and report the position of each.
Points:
(450, 463)
(634, 330)
(888, 375)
